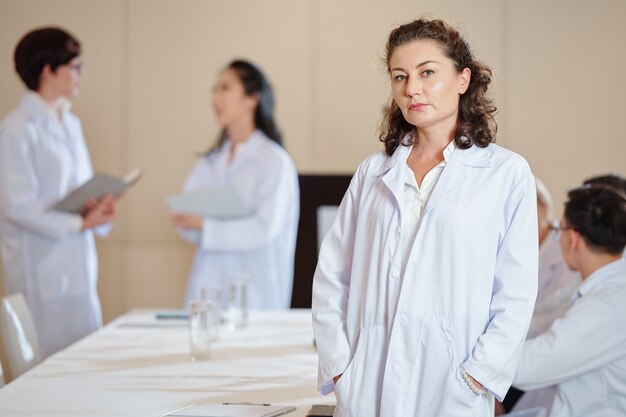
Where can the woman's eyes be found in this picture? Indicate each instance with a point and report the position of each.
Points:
(402, 77)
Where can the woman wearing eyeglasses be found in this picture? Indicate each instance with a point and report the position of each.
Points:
(49, 256)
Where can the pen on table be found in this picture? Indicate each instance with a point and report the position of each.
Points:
(247, 403)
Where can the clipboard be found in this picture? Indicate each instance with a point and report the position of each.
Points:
(232, 410)
(97, 187)
(215, 202)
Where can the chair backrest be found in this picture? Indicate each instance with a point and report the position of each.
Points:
(18, 333)
(1, 376)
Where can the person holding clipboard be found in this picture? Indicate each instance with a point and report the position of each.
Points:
(49, 255)
(250, 160)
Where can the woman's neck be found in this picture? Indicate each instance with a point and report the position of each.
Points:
(433, 140)
(240, 132)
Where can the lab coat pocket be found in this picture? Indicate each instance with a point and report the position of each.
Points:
(356, 390)
(438, 391)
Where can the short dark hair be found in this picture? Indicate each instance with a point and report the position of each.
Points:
(476, 124)
(41, 47)
(598, 213)
(612, 180)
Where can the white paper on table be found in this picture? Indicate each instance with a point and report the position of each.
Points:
(233, 410)
(529, 412)
(216, 202)
(97, 187)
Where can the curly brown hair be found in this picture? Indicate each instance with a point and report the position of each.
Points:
(476, 124)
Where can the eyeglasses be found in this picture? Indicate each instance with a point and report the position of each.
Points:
(557, 229)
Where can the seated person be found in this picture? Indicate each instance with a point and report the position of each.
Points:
(557, 283)
(584, 353)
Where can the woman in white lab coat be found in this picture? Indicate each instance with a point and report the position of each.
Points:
(426, 281)
(49, 256)
(250, 158)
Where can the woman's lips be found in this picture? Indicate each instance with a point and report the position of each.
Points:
(417, 106)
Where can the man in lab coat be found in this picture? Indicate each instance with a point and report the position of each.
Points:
(49, 256)
(584, 352)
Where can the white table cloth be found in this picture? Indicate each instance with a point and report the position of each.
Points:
(139, 366)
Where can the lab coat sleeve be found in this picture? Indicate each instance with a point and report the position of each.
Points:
(331, 284)
(588, 337)
(276, 191)
(496, 354)
(19, 182)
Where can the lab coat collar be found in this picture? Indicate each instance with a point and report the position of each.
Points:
(474, 156)
(400, 155)
(247, 149)
(453, 175)
(39, 109)
(613, 269)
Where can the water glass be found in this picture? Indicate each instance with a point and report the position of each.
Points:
(200, 335)
(213, 294)
(237, 311)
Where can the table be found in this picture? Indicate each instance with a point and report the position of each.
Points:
(139, 366)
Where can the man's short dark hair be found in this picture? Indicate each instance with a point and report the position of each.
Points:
(598, 213)
(41, 47)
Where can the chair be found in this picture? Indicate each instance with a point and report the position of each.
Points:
(1, 376)
(18, 333)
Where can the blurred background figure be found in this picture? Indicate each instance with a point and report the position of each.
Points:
(49, 256)
(557, 283)
(249, 157)
(583, 353)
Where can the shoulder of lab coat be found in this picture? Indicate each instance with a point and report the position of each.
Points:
(496, 354)
(19, 180)
(332, 278)
(277, 192)
(589, 336)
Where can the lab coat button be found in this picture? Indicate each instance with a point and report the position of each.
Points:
(395, 274)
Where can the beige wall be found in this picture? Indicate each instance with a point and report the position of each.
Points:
(150, 65)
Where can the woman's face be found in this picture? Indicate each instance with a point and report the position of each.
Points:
(65, 81)
(425, 84)
(230, 102)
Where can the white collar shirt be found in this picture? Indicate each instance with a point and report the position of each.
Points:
(415, 199)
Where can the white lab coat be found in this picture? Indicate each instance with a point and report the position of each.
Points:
(584, 352)
(45, 255)
(465, 299)
(261, 245)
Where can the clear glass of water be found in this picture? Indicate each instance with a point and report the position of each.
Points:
(200, 337)
(213, 295)
(237, 311)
